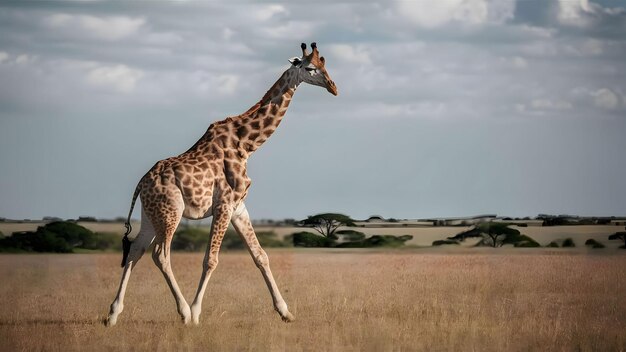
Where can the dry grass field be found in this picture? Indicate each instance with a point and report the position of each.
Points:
(479, 299)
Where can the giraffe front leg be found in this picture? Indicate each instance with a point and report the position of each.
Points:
(243, 226)
(221, 218)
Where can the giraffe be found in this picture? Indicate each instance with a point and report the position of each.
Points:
(210, 179)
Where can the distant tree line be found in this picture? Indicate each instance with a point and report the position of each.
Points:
(69, 237)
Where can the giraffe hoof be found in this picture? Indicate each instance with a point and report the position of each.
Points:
(185, 314)
(110, 321)
(288, 318)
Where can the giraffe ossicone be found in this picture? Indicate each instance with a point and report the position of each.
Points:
(210, 180)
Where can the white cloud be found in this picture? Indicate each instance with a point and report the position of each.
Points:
(163, 39)
(606, 99)
(547, 104)
(581, 13)
(119, 77)
(588, 47)
(431, 14)
(516, 62)
(539, 32)
(3, 56)
(603, 98)
(227, 33)
(24, 59)
(592, 47)
(289, 30)
(350, 53)
(227, 84)
(106, 28)
(269, 11)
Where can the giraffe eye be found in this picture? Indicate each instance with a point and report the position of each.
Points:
(310, 69)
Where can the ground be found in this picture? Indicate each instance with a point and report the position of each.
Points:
(418, 299)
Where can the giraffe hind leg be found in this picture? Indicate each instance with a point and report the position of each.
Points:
(165, 225)
(136, 250)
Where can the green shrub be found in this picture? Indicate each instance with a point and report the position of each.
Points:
(74, 234)
(108, 240)
(443, 242)
(38, 241)
(377, 241)
(270, 239)
(190, 239)
(386, 241)
(231, 240)
(350, 235)
(568, 243)
(553, 244)
(307, 239)
(56, 237)
(593, 243)
(621, 235)
(524, 241)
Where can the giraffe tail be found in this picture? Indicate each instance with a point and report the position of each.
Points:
(125, 241)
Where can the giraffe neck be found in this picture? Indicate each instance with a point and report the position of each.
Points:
(257, 124)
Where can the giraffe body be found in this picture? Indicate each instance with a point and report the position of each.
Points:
(210, 180)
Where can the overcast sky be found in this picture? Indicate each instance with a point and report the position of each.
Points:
(445, 108)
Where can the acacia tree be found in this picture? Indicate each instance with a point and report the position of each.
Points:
(497, 232)
(619, 236)
(327, 223)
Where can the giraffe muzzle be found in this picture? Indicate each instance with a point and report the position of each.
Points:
(332, 88)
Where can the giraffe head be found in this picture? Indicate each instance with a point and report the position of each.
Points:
(311, 69)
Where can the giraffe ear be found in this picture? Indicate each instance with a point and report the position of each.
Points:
(295, 61)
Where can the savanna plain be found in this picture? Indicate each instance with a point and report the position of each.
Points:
(343, 300)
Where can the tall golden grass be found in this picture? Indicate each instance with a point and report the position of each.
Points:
(343, 301)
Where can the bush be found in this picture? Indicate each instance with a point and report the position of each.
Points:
(593, 243)
(56, 237)
(443, 242)
(386, 241)
(190, 239)
(350, 235)
(74, 234)
(269, 239)
(108, 240)
(377, 241)
(39, 241)
(307, 239)
(568, 243)
(524, 241)
(619, 236)
(553, 244)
